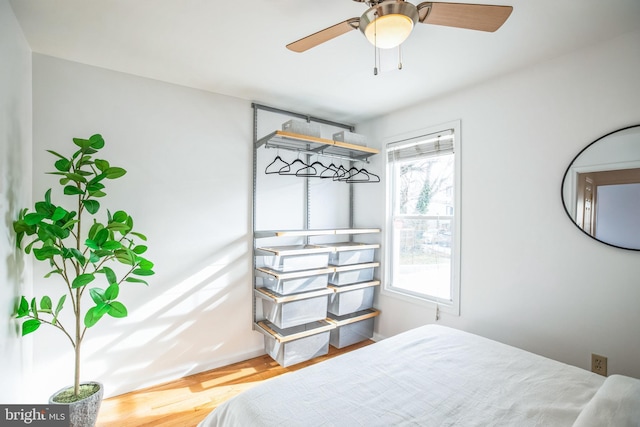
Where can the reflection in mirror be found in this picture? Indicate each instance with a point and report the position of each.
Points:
(601, 189)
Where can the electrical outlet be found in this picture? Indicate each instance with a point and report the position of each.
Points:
(599, 364)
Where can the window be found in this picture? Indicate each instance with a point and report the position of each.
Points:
(423, 211)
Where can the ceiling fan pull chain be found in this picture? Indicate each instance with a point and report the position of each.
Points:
(375, 47)
(399, 57)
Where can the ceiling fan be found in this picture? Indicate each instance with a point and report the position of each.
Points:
(388, 23)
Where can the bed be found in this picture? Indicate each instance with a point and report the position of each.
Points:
(436, 376)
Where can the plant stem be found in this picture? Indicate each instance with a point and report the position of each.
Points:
(76, 377)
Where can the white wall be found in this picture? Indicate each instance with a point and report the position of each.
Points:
(529, 277)
(15, 192)
(188, 188)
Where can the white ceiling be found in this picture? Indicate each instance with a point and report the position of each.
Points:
(237, 48)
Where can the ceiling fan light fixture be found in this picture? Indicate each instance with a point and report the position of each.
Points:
(388, 24)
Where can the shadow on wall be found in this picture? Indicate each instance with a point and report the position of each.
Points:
(12, 184)
(198, 319)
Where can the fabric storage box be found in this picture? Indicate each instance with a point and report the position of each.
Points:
(349, 301)
(295, 258)
(288, 353)
(285, 311)
(284, 284)
(352, 329)
(302, 127)
(349, 253)
(346, 275)
(350, 138)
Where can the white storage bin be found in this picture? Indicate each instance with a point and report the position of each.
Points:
(288, 353)
(349, 253)
(350, 138)
(293, 310)
(350, 274)
(302, 127)
(284, 286)
(352, 329)
(295, 257)
(342, 303)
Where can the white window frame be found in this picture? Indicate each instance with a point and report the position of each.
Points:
(448, 306)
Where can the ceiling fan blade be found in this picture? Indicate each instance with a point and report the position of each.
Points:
(322, 36)
(482, 17)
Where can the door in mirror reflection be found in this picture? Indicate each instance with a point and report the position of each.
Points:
(601, 189)
(608, 206)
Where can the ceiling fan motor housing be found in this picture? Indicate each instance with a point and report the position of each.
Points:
(388, 9)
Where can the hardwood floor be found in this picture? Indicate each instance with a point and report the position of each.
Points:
(187, 401)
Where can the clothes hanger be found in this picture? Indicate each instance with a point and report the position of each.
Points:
(340, 172)
(351, 172)
(276, 166)
(329, 171)
(312, 171)
(366, 177)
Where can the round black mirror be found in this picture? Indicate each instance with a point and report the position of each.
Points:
(601, 189)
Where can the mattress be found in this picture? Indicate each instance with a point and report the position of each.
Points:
(429, 376)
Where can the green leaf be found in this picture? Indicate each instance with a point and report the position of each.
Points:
(47, 196)
(91, 244)
(102, 165)
(91, 205)
(52, 272)
(45, 303)
(67, 225)
(60, 304)
(125, 256)
(142, 272)
(82, 280)
(46, 252)
(75, 177)
(117, 309)
(101, 236)
(94, 314)
(56, 154)
(82, 143)
(97, 295)
(145, 264)
(94, 230)
(72, 190)
(114, 172)
(34, 308)
(34, 218)
(112, 292)
(97, 141)
(120, 216)
(111, 276)
(111, 245)
(135, 280)
(78, 255)
(95, 186)
(29, 326)
(93, 258)
(117, 226)
(63, 165)
(23, 307)
(140, 249)
(58, 214)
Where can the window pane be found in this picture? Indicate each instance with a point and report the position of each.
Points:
(423, 225)
(425, 186)
(422, 261)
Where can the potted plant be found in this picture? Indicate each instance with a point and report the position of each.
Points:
(81, 251)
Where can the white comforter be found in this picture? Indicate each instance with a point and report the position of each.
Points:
(429, 376)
